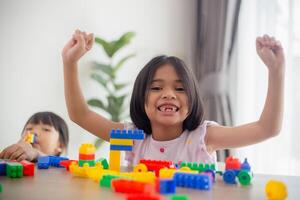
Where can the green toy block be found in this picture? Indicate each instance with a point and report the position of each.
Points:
(90, 162)
(0, 188)
(106, 180)
(179, 197)
(103, 162)
(201, 167)
(245, 177)
(14, 170)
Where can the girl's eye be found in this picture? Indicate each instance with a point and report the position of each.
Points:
(28, 129)
(155, 88)
(180, 89)
(46, 129)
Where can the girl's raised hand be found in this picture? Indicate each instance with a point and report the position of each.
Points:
(79, 44)
(271, 52)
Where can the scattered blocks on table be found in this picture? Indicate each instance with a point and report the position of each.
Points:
(66, 163)
(143, 197)
(276, 190)
(55, 161)
(232, 163)
(155, 165)
(14, 170)
(229, 177)
(145, 177)
(131, 186)
(43, 162)
(201, 167)
(103, 162)
(194, 181)
(106, 180)
(114, 160)
(127, 134)
(28, 168)
(1, 188)
(179, 197)
(2, 168)
(166, 186)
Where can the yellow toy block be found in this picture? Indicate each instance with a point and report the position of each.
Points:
(79, 171)
(126, 142)
(145, 177)
(275, 190)
(87, 149)
(168, 173)
(114, 160)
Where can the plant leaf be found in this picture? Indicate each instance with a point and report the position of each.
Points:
(99, 79)
(97, 103)
(107, 46)
(99, 142)
(122, 61)
(119, 86)
(107, 69)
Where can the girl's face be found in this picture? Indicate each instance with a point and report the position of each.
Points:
(47, 138)
(167, 100)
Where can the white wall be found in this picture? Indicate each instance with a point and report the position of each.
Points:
(34, 32)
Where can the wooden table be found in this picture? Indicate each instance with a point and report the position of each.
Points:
(56, 183)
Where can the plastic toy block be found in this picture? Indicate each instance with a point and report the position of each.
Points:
(91, 163)
(201, 167)
(245, 165)
(211, 173)
(79, 171)
(168, 173)
(245, 177)
(179, 197)
(156, 165)
(103, 162)
(31, 138)
(43, 162)
(96, 173)
(87, 149)
(130, 186)
(14, 170)
(55, 160)
(232, 163)
(66, 163)
(143, 197)
(125, 142)
(86, 156)
(194, 181)
(276, 190)
(28, 168)
(0, 188)
(144, 177)
(114, 160)
(120, 148)
(2, 168)
(166, 186)
(106, 180)
(229, 177)
(127, 134)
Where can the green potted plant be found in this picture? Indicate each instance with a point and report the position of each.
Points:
(105, 74)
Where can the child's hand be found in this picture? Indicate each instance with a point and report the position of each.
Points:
(77, 46)
(271, 53)
(19, 151)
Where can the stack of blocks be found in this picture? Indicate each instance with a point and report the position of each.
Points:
(86, 155)
(122, 141)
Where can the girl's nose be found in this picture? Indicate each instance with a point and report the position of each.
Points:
(168, 94)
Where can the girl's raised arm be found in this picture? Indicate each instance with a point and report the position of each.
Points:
(78, 109)
(269, 124)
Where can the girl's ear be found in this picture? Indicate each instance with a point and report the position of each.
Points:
(58, 150)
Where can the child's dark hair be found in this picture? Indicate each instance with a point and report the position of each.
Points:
(52, 119)
(141, 88)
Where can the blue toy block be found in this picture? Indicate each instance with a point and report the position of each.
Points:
(167, 186)
(55, 160)
(127, 134)
(229, 177)
(212, 173)
(246, 166)
(121, 147)
(43, 162)
(194, 181)
(2, 168)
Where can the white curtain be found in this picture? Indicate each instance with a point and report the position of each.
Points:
(281, 18)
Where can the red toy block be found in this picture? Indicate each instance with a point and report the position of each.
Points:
(67, 163)
(156, 165)
(232, 163)
(130, 186)
(143, 197)
(28, 168)
(86, 156)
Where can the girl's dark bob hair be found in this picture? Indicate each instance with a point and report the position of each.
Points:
(51, 119)
(141, 88)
